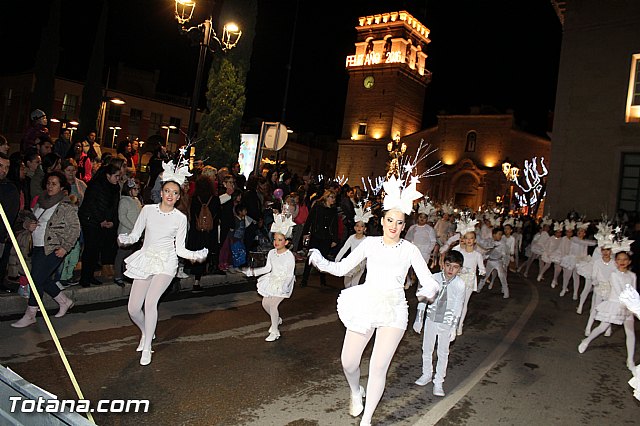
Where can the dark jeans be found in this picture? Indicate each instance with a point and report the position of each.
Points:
(92, 243)
(324, 246)
(43, 268)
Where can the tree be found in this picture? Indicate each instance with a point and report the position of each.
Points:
(219, 135)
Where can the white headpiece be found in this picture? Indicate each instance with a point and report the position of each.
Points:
(509, 221)
(620, 242)
(466, 224)
(583, 225)
(518, 224)
(426, 207)
(447, 208)
(546, 221)
(282, 224)
(361, 215)
(569, 225)
(495, 221)
(605, 241)
(173, 173)
(558, 226)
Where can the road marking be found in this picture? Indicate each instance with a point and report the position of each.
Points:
(439, 410)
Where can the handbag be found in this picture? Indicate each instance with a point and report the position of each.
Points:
(238, 253)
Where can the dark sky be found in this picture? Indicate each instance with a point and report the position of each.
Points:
(499, 53)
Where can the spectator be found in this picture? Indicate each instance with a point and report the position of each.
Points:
(129, 209)
(76, 195)
(44, 146)
(37, 130)
(78, 187)
(83, 162)
(155, 164)
(17, 175)
(254, 197)
(91, 147)
(10, 201)
(63, 143)
(4, 145)
(56, 232)
(124, 153)
(98, 214)
(227, 222)
(241, 181)
(135, 157)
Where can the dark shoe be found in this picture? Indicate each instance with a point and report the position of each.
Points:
(73, 281)
(119, 281)
(95, 281)
(85, 285)
(196, 289)
(303, 284)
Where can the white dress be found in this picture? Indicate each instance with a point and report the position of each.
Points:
(380, 301)
(277, 275)
(553, 250)
(577, 254)
(164, 241)
(472, 260)
(539, 240)
(423, 237)
(612, 310)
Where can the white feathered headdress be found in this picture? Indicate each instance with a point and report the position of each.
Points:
(509, 221)
(282, 224)
(558, 226)
(583, 225)
(546, 221)
(620, 242)
(401, 192)
(362, 215)
(569, 225)
(426, 207)
(173, 173)
(466, 224)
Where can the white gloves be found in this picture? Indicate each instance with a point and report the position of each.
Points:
(453, 334)
(200, 255)
(316, 259)
(125, 239)
(630, 298)
(248, 272)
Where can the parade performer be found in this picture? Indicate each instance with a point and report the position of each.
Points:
(612, 311)
(553, 254)
(361, 218)
(603, 267)
(278, 278)
(497, 260)
(585, 269)
(422, 235)
(577, 255)
(154, 266)
(442, 321)
(537, 247)
(379, 305)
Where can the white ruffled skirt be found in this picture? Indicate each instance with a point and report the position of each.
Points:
(611, 311)
(584, 266)
(147, 262)
(270, 285)
(364, 307)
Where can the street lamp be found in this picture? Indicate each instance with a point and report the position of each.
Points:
(511, 173)
(168, 129)
(115, 133)
(230, 37)
(103, 112)
(396, 150)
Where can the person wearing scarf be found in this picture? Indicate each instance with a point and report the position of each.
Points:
(54, 234)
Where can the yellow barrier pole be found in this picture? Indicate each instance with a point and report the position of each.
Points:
(42, 309)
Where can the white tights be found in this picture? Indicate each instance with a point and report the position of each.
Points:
(529, 262)
(629, 331)
(567, 274)
(147, 292)
(384, 347)
(556, 271)
(467, 295)
(270, 305)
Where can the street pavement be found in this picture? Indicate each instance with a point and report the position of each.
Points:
(516, 363)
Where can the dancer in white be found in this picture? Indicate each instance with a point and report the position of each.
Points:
(442, 321)
(577, 254)
(361, 218)
(422, 235)
(156, 263)
(277, 280)
(537, 247)
(497, 260)
(586, 268)
(612, 311)
(510, 241)
(379, 305)
(601, 272)
(552, 254)
(472, 261)
(517, 234)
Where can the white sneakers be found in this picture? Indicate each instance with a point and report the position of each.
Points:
(145, 359)
(356, 407)
(423, 380)
(437, 389)
(583, 346)
(272, 337)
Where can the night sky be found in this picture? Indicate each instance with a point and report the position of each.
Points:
(498, 54)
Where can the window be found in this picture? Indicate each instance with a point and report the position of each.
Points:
(629, 194)
(69, 104)
(115, 111)
(633, 95)
(135, 116)
(362, 129)
(173, 121)
(155, 123)
(471, 141)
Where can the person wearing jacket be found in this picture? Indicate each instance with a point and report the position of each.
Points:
(128, 211)
(54, 235)
(98, 213)
(322, 223)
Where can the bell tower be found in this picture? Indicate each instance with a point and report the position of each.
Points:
(385, 96)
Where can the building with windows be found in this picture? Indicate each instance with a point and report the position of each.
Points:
(596, 132)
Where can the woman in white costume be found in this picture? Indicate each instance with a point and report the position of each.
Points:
(577, 255)
(361, 218)
(553, 254)
(379, 305)
(586, 268)
(601, 271)
(156, 263)
(277, 280)
(612, 311)
(537, 247)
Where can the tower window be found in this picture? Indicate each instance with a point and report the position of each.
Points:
(471, 141)
(633, 96)
(362, 129)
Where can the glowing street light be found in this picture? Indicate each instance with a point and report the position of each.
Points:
(115, 133)
(168, 129)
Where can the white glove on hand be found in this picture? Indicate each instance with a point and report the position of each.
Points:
(452, 336)
(201, 255)
(125, 239)
(316, 259)
(630, 298)
(247, 271)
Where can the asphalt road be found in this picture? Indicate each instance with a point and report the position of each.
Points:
(516, 363)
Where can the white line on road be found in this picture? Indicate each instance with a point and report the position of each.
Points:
(439, 410)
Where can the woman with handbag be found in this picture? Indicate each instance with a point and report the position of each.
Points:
(322, 225)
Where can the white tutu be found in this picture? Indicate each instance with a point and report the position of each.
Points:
(147, 262)
(536, 249)
(552, 258)
(612, 312)
(602, 289)
(364, 307)
(270, 285)
(584, 266)
(568, 262)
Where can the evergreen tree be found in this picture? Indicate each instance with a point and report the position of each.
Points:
(219, 135)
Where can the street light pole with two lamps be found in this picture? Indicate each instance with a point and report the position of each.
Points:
(115, 133)
(168, 129)
(230, 36)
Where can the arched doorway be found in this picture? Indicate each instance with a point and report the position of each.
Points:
(465, 190)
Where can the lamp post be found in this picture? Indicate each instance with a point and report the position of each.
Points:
(115, 133)
(230, 36)
(396, 150)
(103, 112)
(511, 173)
(168, 129)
